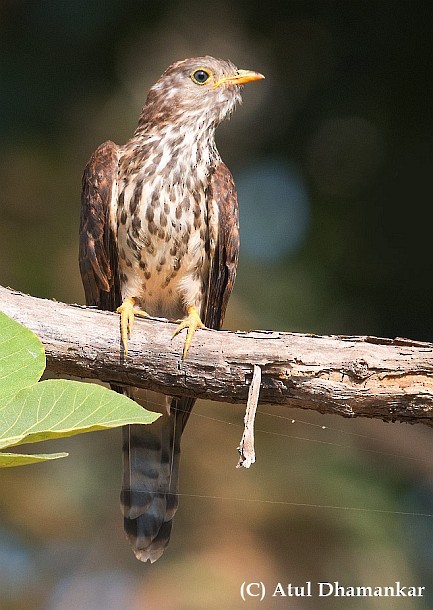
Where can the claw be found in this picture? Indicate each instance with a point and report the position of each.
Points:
(127, 314)
(192, 322)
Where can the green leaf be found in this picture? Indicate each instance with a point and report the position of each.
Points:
(31, 412)
(58, 408)
(22, 357)
(20, 459)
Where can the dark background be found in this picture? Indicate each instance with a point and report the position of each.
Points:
(331, 155)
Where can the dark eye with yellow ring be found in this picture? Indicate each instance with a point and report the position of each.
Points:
(200, 77)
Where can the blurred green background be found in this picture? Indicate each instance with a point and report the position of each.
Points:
(331, 155)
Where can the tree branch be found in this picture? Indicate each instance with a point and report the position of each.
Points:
(389, 379)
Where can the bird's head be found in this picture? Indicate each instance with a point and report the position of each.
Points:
(201, 90)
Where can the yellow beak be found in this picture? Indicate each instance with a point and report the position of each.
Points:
(239, 78)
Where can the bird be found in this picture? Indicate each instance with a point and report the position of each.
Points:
(159, 237)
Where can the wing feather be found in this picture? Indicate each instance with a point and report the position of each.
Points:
(98, 246)
(224, 244)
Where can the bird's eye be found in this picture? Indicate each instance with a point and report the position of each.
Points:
(200, 77)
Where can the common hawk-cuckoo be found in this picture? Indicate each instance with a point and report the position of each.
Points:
(159, 237)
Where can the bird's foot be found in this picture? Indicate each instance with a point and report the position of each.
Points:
(192, 322)
(127, 314)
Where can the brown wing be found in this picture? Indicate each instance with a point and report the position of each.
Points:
(98, 247)
(224, 244)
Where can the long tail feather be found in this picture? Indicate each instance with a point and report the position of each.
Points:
(151, 455)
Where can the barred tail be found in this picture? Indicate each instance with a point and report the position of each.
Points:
(149, 500)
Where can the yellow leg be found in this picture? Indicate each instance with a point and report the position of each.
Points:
(192, 322)
(127, 313)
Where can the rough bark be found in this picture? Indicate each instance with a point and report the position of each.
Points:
(389, 379)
